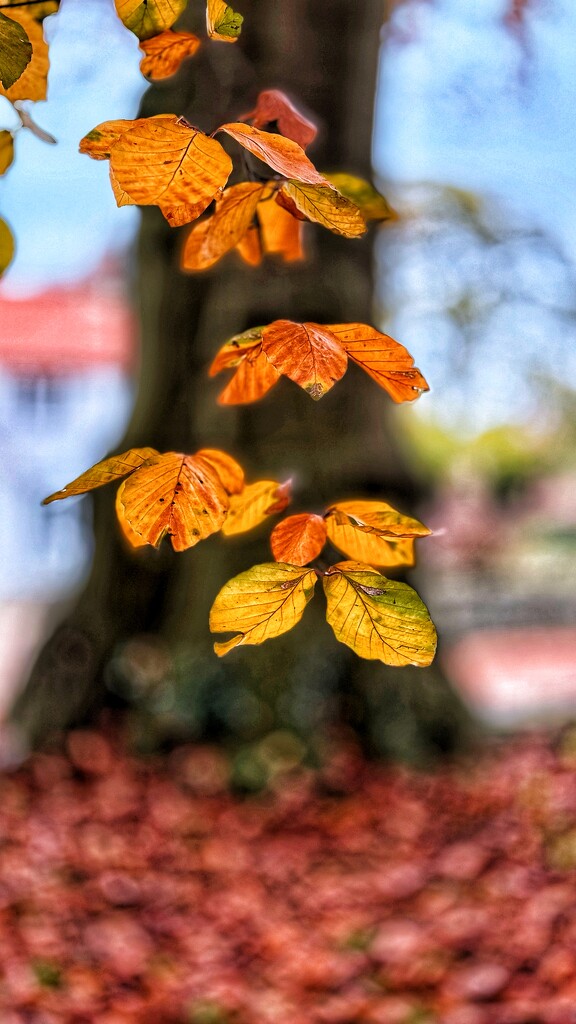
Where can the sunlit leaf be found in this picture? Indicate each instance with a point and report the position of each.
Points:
(164, 54)
(378, 618)
(283, 155)
(306, 353)
(134, 539)
(104, 472)
(254, 375)
(38, 11)
(324, 205)
(280, 232)
(298, 539)
(15, 50)
(260, 604)
(274, 107)
(32, 83)
(362, 193)
(6, 150)
(174, 495)
(252, 506)
(147, 18)
(250, 248)
(373, 532)
(208, 241)
(235, 349)
(222, 23)
(164, 162)
(230, 472)
(7, 246)
(387, 362)
(98, 143)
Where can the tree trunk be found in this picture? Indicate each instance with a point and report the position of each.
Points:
(341, 446)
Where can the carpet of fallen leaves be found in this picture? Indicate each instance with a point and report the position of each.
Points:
(144, 891)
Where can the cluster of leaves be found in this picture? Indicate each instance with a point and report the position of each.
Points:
(357, 894)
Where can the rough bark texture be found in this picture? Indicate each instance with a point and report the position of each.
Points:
(338, 447)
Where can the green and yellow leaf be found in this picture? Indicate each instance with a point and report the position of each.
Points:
(165, 53)
(385, 360)
(254, 504)
(104, 472)
(32, 83)
(324, 205)
(15, 50)
(260, 604)
(146, 18)
(283, 155)
(377, 618)
(6, 150)
(306, 353)
(372, 205)
(7, 246)
(208, 241)
(298, 539)
(222, 23)
(98, 143)
(373, 532)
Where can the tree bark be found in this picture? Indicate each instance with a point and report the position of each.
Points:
(339, 447)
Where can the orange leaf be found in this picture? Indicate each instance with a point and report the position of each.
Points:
(283, 155)
(373, 532)
(298, 539)
(134, 539)
(163, 54)
(222, 23)
(174, 495)
(281, 233)
(274, 106)
(230, 472)
(209, 241)
(380, 518)
(251, 507)
(98, 143)
(254, 376)
(307, 353)
(32, 84)
(164, 162)
(104, 472)
(235, 349)
(249, 247)
(322, 204)
(385, 360)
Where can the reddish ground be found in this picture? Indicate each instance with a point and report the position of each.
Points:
(143, 892)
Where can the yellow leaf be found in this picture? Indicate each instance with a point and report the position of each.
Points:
(209, 241)
(283, 155)
(103, 472)
(378, 618)
(324, 205)
(174, 495)
(385, 360)
(306, 353)
(298, 539)
(262, 603)
(38, 11)
(147, 18)
(163, 54)
(15, 50)
(32, 84)
(230, 472)
(6, 150)
(98, 143)
(222, 23)
(133, 539)
(7, 246)
(164, 162)
(373, 532)
(252, 506)
(371, 204)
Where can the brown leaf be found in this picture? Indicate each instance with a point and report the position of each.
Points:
(306, 353)
(298, 539)
(164, 54)
(33, 82)
(272, 106)
(385, 360)
(252, 506)
(283, 155)
(324, 205)
(208, 241)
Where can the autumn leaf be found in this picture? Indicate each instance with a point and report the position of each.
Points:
(134, 539)
(305, 353)
(38, 11)
(6, 151)
(254, 375)
(208, 241)
(283, 155)
(249, 248)
(7, 246)
(235, 349)
(378, 618)
(298, 539)
(260, 604)
(280, 232)
(32, 83)
(371, 204)
(373, 532)
(385, 360)
(15, 50)
(274, 107)
(222, 23)
(146, 18)
(104, 472)
(254, 504)
(164, 162)
(230, 472)
(164, 53)
(324, 205)
(98, 142)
